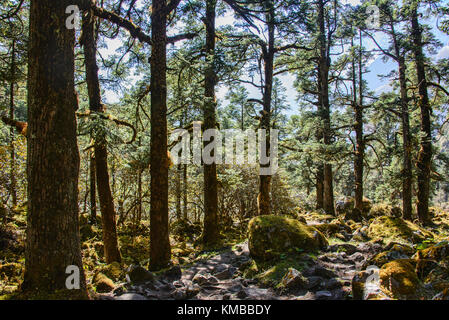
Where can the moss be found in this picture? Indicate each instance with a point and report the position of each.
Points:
(437, 252)
(391, 229)
(102, 283)
(399, 279)
(397, 251)
(271, 273)
(270, 236)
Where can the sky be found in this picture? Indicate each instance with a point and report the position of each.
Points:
(376, 67)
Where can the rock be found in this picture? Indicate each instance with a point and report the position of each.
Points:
(332, 284)
(113, 271)
(391, 229)
(200, 279)
(356, 257)
(443, 295)
(102, 283)
(399, 278)
(242, 294)
(192, 290)
(366, 286)
(313, 282)
(343, 247)
(270, 236)
(225, 274)
(293, 279)
(131, 296)
(138, 274)
(321, 295)
(333, 228)
(321, 272)
(393, 251)
(174, 273)
(10, 270)
(436, 252)
(346, 205)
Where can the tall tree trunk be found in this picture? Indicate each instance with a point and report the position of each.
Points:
(160, 251)
(360, 142)
(108, 218)
(184, 192)
(324, 63)
(93, 190)
(406, 138)
(52, 238)
(425, 152)
(211, 228)
(178, 192)
(320, 187)
(264, 198)
(12, 186)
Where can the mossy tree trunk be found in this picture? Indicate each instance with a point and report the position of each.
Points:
(160, 252)
(264, 197)
(358, 126)
(324, 64)
(108, 217)
(210, 229)
(52, 236)
(12, 185)
(425, 152)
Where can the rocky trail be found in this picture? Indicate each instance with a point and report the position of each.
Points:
(219, 278)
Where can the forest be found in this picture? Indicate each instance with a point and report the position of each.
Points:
(224, 150)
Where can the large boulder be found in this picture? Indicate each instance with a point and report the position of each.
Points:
(270, 236)
(391, 229)
(399, 279)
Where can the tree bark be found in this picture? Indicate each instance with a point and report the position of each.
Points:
(324, 63)
(264, 198)
(12, 186)
(211, 229)
(52, 236)
(93, 190)
(407, 178)
(108, 217)
(160, 251)
(360, 141)
(425, 152)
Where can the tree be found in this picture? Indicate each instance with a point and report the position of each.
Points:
(108, 218)
(53, 241)
(424, 160)
(210, 230)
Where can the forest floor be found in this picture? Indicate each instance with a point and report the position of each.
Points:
(336, 272)
(220, 277)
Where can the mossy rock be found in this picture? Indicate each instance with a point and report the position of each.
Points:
(113, 271)
(11, 270)
(437, 252)
(384, 209)
(102, 283)
(270, 273)
(399, 279)
(345, 206)
(391, 229)
(393, 252)
(438, 278)
(270, 236)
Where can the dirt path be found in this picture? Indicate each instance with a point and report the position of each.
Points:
(218, 278)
